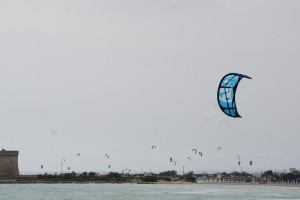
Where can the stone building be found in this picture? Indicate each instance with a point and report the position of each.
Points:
(9, 163)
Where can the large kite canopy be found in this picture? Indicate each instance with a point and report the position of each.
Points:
(226, 93)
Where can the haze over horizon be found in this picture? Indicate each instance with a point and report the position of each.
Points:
(116, 77)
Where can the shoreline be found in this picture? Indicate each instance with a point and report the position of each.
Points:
(146, 183)
(255, 184)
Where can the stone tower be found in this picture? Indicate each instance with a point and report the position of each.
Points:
(9, 163)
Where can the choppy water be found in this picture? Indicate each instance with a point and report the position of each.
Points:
(145, 192)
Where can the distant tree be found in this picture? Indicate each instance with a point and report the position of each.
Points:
(267, 174)
(224, 174)
(168, 173)
(74, 173)
(235, 174)
(84, 174)
(92, 174)
(113, 175)
(290, 176)
(149, 179)
(190, 174)
(245, 174)
(67, 176)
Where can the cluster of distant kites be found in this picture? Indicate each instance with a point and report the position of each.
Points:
(78, 154)
(201, 154)
(226, 100)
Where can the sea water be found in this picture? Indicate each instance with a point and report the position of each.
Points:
(145, 192)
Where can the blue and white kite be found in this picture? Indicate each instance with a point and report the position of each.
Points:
(226, 93)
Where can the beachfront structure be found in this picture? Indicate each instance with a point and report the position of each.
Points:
(257, 175)
(293, 170)
(9, 163)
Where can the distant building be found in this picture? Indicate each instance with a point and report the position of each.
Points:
(257, 175)
(9, 163)
(293, 170)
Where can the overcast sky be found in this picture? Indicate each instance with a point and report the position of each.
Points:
(116, 77)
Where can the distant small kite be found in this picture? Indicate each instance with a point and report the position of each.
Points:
(250, 163)
(226, 93)
(153, 147)
(219, 148)
(189, 158)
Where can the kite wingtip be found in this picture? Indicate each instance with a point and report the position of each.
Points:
(247, 76)
(237, 116)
